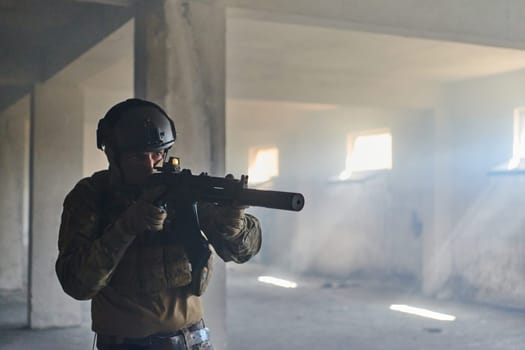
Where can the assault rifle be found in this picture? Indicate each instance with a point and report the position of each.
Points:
(184, 186)
(185, 191)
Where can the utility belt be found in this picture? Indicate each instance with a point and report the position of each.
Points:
(194, 337)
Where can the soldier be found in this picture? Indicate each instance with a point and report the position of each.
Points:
(145, 294)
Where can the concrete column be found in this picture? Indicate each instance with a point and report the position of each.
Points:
(14, 170)
(56, 165)
(437, 248)
(180, 64)
(14, 140)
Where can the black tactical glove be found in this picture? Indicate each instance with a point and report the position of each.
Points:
(142, 215)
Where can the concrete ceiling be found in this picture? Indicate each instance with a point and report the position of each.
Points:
(266, 60)
(271, 60)
(108, 65)
(39, 38)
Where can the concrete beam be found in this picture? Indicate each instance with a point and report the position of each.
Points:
(11, 94)
(482, 22)
(19, 72)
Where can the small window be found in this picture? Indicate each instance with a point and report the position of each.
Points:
(518, 149)
(367, 152)
(263, 164)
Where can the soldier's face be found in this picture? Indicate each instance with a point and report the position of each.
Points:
(137, 166)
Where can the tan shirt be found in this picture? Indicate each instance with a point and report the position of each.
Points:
(115, 314)
(137, 289)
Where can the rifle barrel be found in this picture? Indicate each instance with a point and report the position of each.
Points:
(272, 199)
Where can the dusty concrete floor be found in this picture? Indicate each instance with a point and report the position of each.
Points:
(324, 314)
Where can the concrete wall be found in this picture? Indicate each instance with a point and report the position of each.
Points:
(373, 228)
(478, 233)
(436, 218)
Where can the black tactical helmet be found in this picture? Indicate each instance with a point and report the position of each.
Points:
(135, 125)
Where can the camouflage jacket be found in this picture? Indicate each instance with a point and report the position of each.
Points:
(123, 273)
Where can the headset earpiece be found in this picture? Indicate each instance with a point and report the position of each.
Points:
(102, 134)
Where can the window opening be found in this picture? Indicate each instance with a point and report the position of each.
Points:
(263, 164)
(367, 152)
(518, 147)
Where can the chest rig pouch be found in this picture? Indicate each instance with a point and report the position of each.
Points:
(182, 227)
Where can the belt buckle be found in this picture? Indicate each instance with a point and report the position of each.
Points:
(197, 337)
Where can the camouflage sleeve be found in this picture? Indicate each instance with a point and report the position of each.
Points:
(239, 248)
(88, 253)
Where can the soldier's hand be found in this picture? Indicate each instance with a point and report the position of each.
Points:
(229, 220)
(142, 215)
